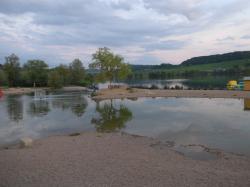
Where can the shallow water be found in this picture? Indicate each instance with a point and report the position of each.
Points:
(215, 123)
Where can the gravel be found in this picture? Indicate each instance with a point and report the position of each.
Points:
(93, 159)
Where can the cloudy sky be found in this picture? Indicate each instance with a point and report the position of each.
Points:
(143, 31)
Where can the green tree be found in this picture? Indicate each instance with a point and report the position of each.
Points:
(55, 80)
(64, 71)
(24, 79)
(77, 72)
(3, 78)
(89, 80)
(12, 69)
(110, 66)
(37, 72)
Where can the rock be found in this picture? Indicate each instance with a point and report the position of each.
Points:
(26, 142)
(75, 134)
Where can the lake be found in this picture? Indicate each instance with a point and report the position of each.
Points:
(215, 123)
(196, 83)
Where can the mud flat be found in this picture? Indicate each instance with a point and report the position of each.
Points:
(92, 159)
(120, 93)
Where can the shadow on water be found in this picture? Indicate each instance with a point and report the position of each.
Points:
(111, 118)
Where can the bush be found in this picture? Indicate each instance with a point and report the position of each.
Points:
(85, 83)
(178, 87)
(154, 87)
(166, 87)
(130, 90)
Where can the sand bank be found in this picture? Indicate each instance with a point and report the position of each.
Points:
(17, 91)
(135, 93)
(93, 159)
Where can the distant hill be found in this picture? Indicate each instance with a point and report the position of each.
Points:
(239, 55)
(235, 63)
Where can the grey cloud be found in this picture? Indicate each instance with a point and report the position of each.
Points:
(148, 59)
(246, 37)
(124, 5)
(98, 23)
(166, 45)
(228, 38)
(175, 7)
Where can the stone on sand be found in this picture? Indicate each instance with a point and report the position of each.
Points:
(26, 142)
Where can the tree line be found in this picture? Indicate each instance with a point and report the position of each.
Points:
(37, 73)
(109, 67)
(234, 71)
(238, 55)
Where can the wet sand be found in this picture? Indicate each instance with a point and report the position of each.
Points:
(119, 93)
(115, 159)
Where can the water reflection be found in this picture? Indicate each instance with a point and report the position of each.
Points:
(247, 104)
(56, 113)
(39, 108)
(216, 123)
(111, 118)
(15, 108)
(76, 103)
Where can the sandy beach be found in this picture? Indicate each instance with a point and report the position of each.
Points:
(133, 93)
(115, 159)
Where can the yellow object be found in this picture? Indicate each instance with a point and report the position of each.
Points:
(247, 83)
(231, 85)
(246, 104)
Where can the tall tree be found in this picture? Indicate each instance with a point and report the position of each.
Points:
(111, 67)
(55, 79)
(64, 71)
(12, 69)
(37, 71)
(77, 72)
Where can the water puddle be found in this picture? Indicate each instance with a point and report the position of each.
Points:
(196, 152)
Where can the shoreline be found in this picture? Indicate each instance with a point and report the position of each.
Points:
(20, 90)
(115, 159)
(133, 93)
(24, 90)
